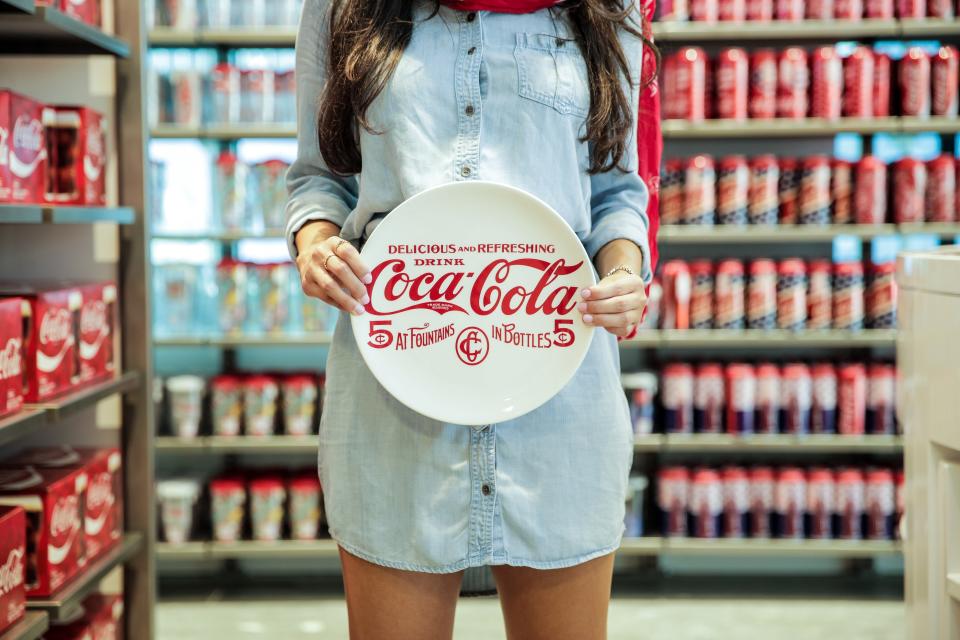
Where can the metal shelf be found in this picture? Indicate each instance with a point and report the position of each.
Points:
(937, 124)
(29, 29)
(757, 339)
(645, 546)
(807, 548)
(226, 131)
(237, 37)
(44, 214)
(759, 234)
(929, 27)
(238, 444)
(808, 30)
(184, 551)
(224, 236)
(776, 128)
(31, 627)
(21, 423)
(703, 442)
(63, 603)
(294, 340)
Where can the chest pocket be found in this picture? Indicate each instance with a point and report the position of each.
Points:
(552, 71)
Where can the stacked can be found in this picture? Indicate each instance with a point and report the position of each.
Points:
(819, 9)
(790, 10)
(881, 85)
(678, 383)
(733, 10)
(764, 190)
(729, 310)
(708, 399)
(762, 295)
(701, 296)
(705, 504)
(733, 183)
(762, 490)
(909, 190)
(793, 81)
(819, 295)
(841, 191)
(823, 413)
(741, 398)
(674, 11)
(848, 10)
(684, 85)
(814, 200)
(763, 84)
(881, 297)
(732, 83)
(878, 9)
(673, 488)
(941, 191)
(676, 295)
(870, 198)
(699, 190)
(796, 393)
(789, 501)
(851, 399)
(914, 81)
(821, 493)
(671, 192)
(768, 399)
(848, 313)
(881, 400)
(941, 9)
(759, 10)
(226, 405)
(944, 70)
(791, 295)
(880, 504)
(849, 504)
(789, 190)
(911, 8)
(826, 73)
(705, 10)
(736, 502)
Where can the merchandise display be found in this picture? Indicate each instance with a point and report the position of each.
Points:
(100, 617)
(12, 314)
(223, 14)
(13, 565)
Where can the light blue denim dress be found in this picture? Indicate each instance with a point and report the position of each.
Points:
(497, 97)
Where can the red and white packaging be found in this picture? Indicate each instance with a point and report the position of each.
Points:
(942, 9)
(76, 156)
(705, 504)
(13, 565)
(763, 84)
(790, 499)
(677, 287)
(83, 10)
(260, 396)
(77, 627)
(793, 82)
(267, 498)
(732, 10)
(97, 322)
(736, 502)
(944, 71)
(256, 95)
(880, 505)
(911, 8)
(53, 500)
(848, 10)
(841, 191)
(826, 72)
(858, 80)
(909, 190)
(821, 492)
(304, 508)
(870, 197)
(733, 82)
(850, 504)
(12, 315)
(851, 399)
(760, 10)
(819, 9)
(882, 70)
(673, 486)
(790, 10)
(23, 151)
(225, 93)
(819, 295)
(104, 614)
(878, 9)
(51, 357)
(705, 10)
(228, 508)
(900, 500)
(941, 192)
(684, 85)
(914, 80)
(761, 501)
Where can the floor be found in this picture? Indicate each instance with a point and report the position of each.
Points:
(631, 618)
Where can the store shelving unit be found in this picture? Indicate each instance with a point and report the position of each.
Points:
(226, 132)
(40, 214)
(757, 339)
(265, 37)
(26, 25)
(32, 627)
(230, 342)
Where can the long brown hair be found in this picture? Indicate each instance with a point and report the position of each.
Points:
(368, 37)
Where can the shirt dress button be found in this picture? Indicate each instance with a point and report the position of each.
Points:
(469, 110)
(486, 489)
(471, 16)
(465, 171)
(471, 51)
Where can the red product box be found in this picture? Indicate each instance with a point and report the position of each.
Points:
(83, 10)
(97, 322)
(76, 156)
(53, 500)
(103, 499)
(76, 627)
(13, 565)
(51, 356)
(23, 153)
(104, 613)
(12, 314)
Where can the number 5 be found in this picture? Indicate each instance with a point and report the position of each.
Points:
(564, 336)
(380, 338)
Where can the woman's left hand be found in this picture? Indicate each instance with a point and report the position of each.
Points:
(615, 303)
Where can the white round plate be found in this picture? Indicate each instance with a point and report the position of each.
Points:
(472, 317)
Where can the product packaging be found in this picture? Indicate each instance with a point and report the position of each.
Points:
(76, 156)
(13, 565)
(12, 316)
(23, 153)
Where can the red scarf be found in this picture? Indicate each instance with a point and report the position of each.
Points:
(500, 6)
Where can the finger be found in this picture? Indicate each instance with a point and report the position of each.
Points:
(614, 287)
(618, 304)
(337, 296)
(351, 256)
(609, 320)
(347, 279)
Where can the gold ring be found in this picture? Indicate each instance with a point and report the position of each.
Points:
(342, 241)
(327, 259)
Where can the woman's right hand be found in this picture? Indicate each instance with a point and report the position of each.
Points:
(338, 280)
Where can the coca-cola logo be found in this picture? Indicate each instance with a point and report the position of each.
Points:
(12, 571)
(55, 326)
(93, 318)
(27, 138)
(10, 360)
(100, 492)
(65, 516)
(95, 143)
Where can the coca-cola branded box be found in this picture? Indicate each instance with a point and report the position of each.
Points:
(105, 616)
(103, 499)
(13, 565)
(84, 10)
(76, 155)
(51, 356)
(23, 152)
(77, 626)
(11, 354)
(97, 322)
(53, 501)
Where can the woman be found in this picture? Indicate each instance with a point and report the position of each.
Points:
(396, 97)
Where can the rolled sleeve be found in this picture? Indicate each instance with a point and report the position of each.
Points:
(314, 192)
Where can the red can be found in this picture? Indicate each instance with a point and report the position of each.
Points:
(850, 499)
(858, 79)
(793, 82)
(673, 11)
(705, 10)
(673, 492)
(677, 398)
(733, 10)
(708, 398)
(821, 493)
(706, 504)
(881, 85)
(941, 192)
(736, 502)
(944, 74)
(914, 76)
(870, 197)
(729, 290)
(791, 295)
(900, 500)
(796, 396)
(851, 399)
(848, 10)
(881, 298)
(733, 183)
(767, 418)
(912, 8)
(763, 194)
(733, 82)
(880, 504)
(701, 296)
(676, 295)
(763, 84)
(789, 502)
(909, 190)
(741, 397)
(814, 200)
(848, 296)
(878, 9)
(790, 10)
(819, 9)
(671, 192)
(759, 10)
(699, 190)
(710, 90)
(823, 414)
(940, 9)
(841, 191)
(789, 189)
(762, 295)
(826, 70)
(685, 84)
(761, 501)
(820, 295)
(881, 399)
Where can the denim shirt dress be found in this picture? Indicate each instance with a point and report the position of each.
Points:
(500, 97)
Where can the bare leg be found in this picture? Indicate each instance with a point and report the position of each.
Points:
(400, 605)
(557, 604)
